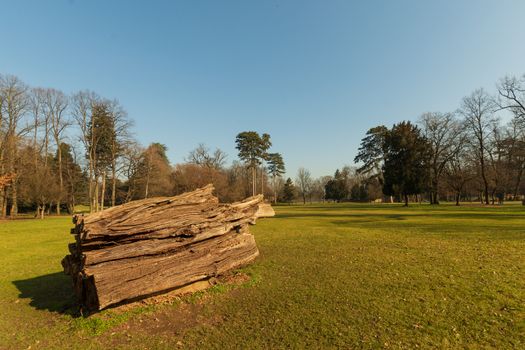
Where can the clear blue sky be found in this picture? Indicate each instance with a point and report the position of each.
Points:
(315, 75)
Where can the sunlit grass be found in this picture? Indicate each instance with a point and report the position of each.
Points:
(339, 275)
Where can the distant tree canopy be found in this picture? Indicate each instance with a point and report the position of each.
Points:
(253, 150)
(405, 169)
(276, 166)
(288, 191)
(203, 157)
(57, 151)
(336, 188)
(276, 169)
(371, 152)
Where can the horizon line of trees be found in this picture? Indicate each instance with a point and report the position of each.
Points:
(58, 151)
(468, 154)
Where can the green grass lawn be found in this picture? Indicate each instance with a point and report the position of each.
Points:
(348, 276)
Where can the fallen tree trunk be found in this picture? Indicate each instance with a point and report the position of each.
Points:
(155, 245)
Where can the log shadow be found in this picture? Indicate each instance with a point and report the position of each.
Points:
(52, 292)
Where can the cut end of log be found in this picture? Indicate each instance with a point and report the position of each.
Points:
(265, 210)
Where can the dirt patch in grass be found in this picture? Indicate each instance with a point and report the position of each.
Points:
(173, 321)
(174, 312)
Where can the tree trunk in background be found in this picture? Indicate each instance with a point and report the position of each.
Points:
(90, 185)
(518, 182)
(103, 191)
(485, 182)
(262, 180)
(96, 194)
(254, 180)
(147, 185)
(406, 199)
(114, 182)
(60, 178)
(14, 183)
(14, 197)
(274, 190)
(3, 191)
(434, 193)
(3, 205)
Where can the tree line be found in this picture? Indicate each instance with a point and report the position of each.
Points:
(476, 153)
(59, 151)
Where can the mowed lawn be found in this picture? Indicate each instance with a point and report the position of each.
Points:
(329, 276)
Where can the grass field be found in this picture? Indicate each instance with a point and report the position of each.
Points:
(348, 276)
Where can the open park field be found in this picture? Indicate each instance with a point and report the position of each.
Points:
(339, 275)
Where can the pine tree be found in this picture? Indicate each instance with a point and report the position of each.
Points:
(276, 169)
(335, 189)
(288, 191)
(405, 169)
(253, 151)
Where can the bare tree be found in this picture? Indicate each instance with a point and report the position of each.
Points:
(512, 95)
(457, 173)
(38, 185)
(445, 136)
(211, 163)
(507, 159)
(478, 110)
(82, 104)
(516, 149)
(304, 183)
(36, 106)
(131, 160)
(202, 156)
(155, 173)
(14, 105)
(56, 103)
(122, 135)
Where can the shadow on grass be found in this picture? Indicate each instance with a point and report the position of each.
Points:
(52, 292)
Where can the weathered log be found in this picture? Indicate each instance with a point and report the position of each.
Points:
(116, 281)
(155, 245)
(152, 246)
(173, 221)
(142, 208)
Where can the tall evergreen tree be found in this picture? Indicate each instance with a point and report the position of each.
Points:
(288, 191)
(253, 149)
(276, 169)
(335, 189)
(371, 152)
(73, 178)
(101, 136)
(405, 169)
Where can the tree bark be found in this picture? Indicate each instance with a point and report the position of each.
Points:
(103, 191)
(96, 195)
(434, 194)
(113, 183)
(14, 198)
(262, 180)
(518, 181)
(152, 246)
(254, 179)
(60, 177)
(4, 202)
